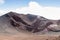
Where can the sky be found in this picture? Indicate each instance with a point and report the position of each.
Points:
(47, 8)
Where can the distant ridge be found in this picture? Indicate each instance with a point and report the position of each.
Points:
(14, 22)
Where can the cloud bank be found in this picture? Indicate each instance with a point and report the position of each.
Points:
(37, 9)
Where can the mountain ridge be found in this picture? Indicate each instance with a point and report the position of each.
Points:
(13, 22)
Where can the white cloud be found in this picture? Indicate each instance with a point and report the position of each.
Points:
(2, 1)
(2, 12)
(37, 9)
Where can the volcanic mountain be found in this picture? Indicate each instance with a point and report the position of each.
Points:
(14, 23)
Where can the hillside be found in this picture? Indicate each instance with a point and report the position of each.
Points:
(15, 26)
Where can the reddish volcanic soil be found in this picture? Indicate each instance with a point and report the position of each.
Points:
(24, 36)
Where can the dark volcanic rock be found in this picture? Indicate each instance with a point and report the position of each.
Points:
(5, 25)
(13, 22)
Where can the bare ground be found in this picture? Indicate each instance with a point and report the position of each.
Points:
(24, 36)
